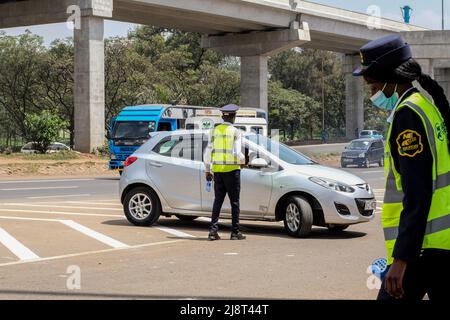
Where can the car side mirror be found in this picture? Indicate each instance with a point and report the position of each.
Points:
(258, 163)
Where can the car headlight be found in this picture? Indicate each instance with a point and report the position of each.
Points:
(362, 155)
(333, 185)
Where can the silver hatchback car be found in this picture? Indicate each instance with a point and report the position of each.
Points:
(166, 176)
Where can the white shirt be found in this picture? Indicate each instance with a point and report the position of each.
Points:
(391, 117)
(237, 148)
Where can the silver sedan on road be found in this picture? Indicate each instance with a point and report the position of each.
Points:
(166, 177)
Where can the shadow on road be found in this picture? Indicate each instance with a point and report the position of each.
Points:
(97, 295)
(247, 228)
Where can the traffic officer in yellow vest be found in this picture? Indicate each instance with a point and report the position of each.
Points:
(416, 210)
(223, 160)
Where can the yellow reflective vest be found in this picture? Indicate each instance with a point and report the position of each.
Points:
(222, 157)
(437, 234)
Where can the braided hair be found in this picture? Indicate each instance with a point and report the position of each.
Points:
(411, 71)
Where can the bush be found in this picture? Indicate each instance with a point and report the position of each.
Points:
(43, 129)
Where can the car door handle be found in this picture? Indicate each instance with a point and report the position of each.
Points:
(155, 164)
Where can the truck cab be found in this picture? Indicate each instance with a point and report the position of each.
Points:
(133, 125)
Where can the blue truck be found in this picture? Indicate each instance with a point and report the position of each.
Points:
(131, 128)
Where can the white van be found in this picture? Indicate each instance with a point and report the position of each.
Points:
(247, 119)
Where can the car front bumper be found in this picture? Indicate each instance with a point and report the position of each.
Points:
(348, 208)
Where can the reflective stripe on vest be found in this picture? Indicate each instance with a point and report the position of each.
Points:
(222, 139)
(437, 233)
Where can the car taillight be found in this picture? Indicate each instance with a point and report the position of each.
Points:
(129, 161)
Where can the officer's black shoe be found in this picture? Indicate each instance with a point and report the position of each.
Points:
(213, 236)
(237, 236)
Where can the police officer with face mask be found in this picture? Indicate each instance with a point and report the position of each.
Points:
(416, 209)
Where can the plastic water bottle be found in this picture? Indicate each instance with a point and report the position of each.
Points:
(379, 268)
(208, 186)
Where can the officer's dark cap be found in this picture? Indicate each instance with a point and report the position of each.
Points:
(229, 109)
(382, 56)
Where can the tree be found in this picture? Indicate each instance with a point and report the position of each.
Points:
(21, 61)
(43, 128)
(301, 70)
(56, 78)
(292, 111)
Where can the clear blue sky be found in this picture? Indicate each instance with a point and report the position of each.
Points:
(427, 13)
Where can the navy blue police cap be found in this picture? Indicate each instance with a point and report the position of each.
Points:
(383, 55)
(229, 109)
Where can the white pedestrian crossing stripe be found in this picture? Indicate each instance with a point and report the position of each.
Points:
(17, 248)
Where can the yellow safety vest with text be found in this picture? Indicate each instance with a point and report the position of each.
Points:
(409, 142)
(222, 157)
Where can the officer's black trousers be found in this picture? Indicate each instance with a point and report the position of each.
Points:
(226, 182)
(430, 274)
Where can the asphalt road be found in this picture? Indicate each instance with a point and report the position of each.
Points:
(50, 230)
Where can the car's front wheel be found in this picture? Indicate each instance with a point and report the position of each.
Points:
(367, 163)
(141, 206)
(298, 217)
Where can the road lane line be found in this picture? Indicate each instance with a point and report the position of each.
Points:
(49, 180)
(27, 218)
(95, 203)
(90, 253)
(18, 249)
(41, 188)
(62, 196)
(94, 234)
(63, 213)
(56, 206)
(175, 232)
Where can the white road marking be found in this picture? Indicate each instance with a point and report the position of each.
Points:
(63, 213)
(94, 203)
(62, 196)
(231, 254)
(26, 218)
(40, 188)
(56, 206)
(90, 253)
(175, 232)
(376, 171)
(18, 249)
(379, 190)
(94, 234)
(49, 180)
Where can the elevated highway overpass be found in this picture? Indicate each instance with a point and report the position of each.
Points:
(250, 29)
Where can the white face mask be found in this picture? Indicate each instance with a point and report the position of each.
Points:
(380, 100)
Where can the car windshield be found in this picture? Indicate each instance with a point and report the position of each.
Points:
(280, 150)
(133, 129)
(359, 145)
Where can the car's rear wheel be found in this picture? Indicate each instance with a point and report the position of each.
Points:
(337, 227)
(141, 206)
(186, 218)
(298, 217)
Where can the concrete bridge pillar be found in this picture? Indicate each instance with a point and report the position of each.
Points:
(354, 97)
(442, 76)
(254, 49)
(89, 92)
(254, 74)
